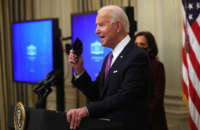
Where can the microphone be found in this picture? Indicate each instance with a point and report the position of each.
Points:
(77, 47)
(49, 80)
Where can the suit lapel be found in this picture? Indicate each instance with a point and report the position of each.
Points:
(116, 65)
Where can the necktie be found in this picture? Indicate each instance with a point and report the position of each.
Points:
(108, 64)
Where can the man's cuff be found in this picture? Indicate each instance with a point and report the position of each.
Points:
(79, 75)
(87, 110)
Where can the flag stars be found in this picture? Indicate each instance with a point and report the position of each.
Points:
(190, 6)
(190, 17)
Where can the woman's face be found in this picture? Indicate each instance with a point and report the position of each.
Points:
(141, 42)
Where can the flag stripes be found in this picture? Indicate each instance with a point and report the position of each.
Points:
(191, 60)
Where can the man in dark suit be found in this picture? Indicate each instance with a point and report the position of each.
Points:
(122, 94)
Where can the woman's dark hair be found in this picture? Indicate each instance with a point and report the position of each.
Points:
(151, 42)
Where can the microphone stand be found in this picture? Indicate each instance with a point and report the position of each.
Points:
(44, 89)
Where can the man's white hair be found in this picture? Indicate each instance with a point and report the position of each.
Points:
(117, 14)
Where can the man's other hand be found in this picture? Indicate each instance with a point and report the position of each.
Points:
(74, 116)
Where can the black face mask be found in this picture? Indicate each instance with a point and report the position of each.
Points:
(147, 51)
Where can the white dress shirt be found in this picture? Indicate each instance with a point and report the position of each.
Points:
(118, 49)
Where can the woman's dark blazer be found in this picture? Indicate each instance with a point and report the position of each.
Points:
(157, 110)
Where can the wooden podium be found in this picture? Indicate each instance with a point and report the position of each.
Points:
(40, 119)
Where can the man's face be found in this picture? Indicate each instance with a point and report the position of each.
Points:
(106, 30)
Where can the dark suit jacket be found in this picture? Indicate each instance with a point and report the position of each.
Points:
(123, 96)
(157, 100)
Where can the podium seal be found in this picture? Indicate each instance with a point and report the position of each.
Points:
(19, 116)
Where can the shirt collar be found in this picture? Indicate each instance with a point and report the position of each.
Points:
(120, 46)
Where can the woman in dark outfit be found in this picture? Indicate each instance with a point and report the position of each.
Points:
(147, 41)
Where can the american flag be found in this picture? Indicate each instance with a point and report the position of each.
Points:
(191, 60)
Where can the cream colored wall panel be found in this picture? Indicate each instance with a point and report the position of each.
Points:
(170, 47)
(145, 14)
(51, 100)
(70, 97)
